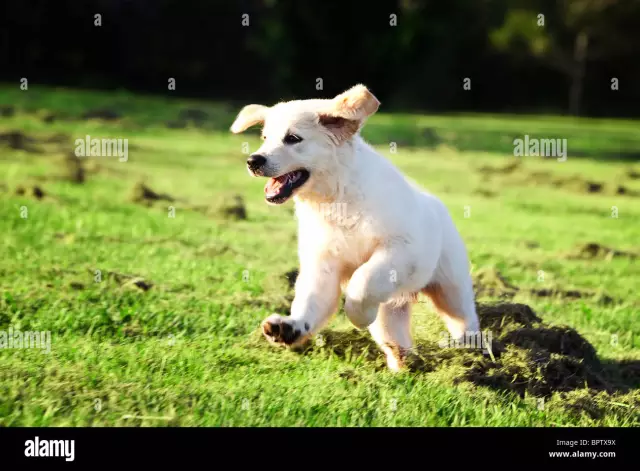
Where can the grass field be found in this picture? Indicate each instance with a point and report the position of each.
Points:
(154, 319)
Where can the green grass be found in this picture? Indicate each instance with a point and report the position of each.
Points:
(187, 351)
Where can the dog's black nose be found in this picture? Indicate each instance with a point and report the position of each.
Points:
(256, 161)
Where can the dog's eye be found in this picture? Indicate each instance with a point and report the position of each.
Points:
(291, 139)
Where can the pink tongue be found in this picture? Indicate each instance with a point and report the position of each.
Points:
(273, 186)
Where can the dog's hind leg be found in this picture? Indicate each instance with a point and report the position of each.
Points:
(392, 332)
(454, 301)
(455, 307)
(451, 288)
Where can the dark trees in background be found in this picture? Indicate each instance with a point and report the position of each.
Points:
(581, 32)
(414, 54)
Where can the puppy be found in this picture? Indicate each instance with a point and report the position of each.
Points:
(362, 227)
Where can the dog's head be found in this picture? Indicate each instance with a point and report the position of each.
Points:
(302, 139)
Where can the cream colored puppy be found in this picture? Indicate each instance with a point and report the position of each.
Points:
(362, 226)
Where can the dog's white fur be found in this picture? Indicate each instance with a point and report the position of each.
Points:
(390, 242)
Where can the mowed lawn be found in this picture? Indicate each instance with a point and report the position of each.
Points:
(154, 300)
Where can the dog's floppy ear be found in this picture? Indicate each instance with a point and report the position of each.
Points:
(346, 113)
(249, 116)
(357, 103)
(341, 128)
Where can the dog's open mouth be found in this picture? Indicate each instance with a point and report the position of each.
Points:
(279, 189)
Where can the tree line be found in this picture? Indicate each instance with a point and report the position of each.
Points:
(528, 56)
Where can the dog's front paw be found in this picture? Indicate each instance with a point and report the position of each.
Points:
(284, 330)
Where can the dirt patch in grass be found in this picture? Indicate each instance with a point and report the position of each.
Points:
(33, 191)
(573, 183)
(58, 138)
(7, 111)
(124, 280)
(68, 167)
(138, 283)
(623, 190)
(291, 276)
(578, 184)
(571, 294)
(485, 193)
(489, 282)
(500, 170)
(230, 207)
(18, 140)
(105, 114)
(530, 244)
(74, 170)
(561, 340)
(540, 176)
(142, 194)
(496, 317)
(595, 251)
(514, 174)
(227, 206)
(533, 358)
(49, 118)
